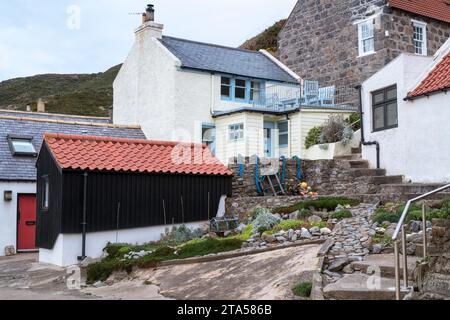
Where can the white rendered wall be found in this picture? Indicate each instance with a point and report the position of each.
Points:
(419, 148)
(8, 212)
(68, 246)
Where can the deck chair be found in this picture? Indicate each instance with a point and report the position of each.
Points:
(327, 96)
(311, 92)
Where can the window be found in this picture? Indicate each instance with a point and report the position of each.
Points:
(45, 192)
(21, 145)
(384, 108)
(420, 38)
(236, 132)
(240, 89)
(225, 87)
(283, 133)
(255, 91)
(366, 37)
(209, 137)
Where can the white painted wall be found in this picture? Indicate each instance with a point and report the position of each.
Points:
(8, 212)
(68, 246)
(419, 148)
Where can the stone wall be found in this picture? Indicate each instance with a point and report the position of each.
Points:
(320, 41)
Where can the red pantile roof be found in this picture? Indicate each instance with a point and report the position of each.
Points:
(132, 155)
(438, 79)
(436, 9)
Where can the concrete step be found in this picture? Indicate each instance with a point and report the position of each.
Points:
(357, 150)
(411, 188)
(437, 196)
(387, 179)
(359, 164)
(431, 249)
(367, 172)
(385, 264)
(359, 286)
(355, 156)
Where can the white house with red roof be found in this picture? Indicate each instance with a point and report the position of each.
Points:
(406, 110)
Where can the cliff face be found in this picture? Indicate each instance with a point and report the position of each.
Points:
(268, 39)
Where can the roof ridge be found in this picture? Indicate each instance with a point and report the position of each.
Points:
(94, 124)
(64, 136)
(212, 44)
(55, 114)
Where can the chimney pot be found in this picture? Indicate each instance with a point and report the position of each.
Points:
(40, 105)
(150, 13)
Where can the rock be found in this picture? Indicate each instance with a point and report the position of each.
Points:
(314, 219)
(268, 238)
(294, 215)
(10, 251)
(339, 208)
(325, 231)
(250, 240)
(290, 233)
(338, 265)
(389, 231)
(348, 269)
(377, 248)
(263, 244)
(305, 234)
(116, 277)
(281, 239)
(294, 237)
(241, 227)
(315, 230)
(413, 226)
(227, 233)
(99, 284)
(277, 215)
(413, 237)
(332, 274)
(380, 230)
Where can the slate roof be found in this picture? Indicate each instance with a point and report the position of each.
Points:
(215, 58)
(436, 9)
(438, 79)
(132, 155)
(20, 168)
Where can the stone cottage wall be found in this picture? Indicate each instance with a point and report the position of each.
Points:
(320, 41)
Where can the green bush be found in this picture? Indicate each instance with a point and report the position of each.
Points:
(313, 137)
(291, 224)
(304, 214)
(302, 289)
(180, 235)
(207, 246)
(354, 120)
(319, 204)
(341, 214)
(264, 221)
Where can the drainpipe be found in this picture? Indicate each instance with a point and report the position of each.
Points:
(84, 222)
(363, 141)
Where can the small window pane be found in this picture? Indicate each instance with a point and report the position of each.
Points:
(378, 97)
(226, 80)
(236, 131)
(392, 119)
(240, 93)
(378, 115)
(24, 146)
(283, 126)
(240, 83)
(225, 87)
(225, 91)
(255, 91)
(45, 192)
(283, 139)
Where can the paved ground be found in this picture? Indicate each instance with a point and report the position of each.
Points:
(267, 275)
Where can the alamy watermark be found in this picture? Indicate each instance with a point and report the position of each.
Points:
(73, 21)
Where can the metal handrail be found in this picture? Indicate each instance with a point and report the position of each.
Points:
(401, 227)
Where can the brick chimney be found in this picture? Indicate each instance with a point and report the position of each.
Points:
(40, 105)
(149, 28)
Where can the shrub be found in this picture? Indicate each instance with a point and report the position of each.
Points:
(303, 214)
(333, 129)
(302, 289)
(319, 204)
(265, 221)
(354, 121)
(341, 214)
(207, 246)
(180, 235)
(291, 224)
(313, 137)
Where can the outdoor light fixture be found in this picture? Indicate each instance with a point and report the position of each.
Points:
(7, 195)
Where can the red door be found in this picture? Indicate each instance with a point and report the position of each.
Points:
(26, 223)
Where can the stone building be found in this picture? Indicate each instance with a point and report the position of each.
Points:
(344, 42)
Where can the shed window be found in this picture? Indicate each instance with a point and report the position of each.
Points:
(240, 89)
(21, 145)
(283, 134)
(225, 87)
(236, 132)
(366, 37)
(420, 38)
(45, 192)
(384, 108)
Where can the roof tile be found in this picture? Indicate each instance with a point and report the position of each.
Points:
(436, 9)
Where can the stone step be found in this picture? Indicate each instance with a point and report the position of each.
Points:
(411, 188)
(387, 179)
(355, 156)
(367, 172)
(437, 196)
(359, 164)
(431, 250)
(385, 263)
(357, 150)
(359, 286)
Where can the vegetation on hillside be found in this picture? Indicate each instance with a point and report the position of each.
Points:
(267, 40)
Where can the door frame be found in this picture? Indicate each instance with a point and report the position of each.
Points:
(269, 125)
(17, 221)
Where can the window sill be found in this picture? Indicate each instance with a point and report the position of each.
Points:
(366, 54)
(385, 129)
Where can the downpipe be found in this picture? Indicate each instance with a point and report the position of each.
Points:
(84, 222)
(363, 140)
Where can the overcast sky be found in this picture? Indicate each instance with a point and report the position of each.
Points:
(86, 36)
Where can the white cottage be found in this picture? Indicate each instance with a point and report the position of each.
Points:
(236, 101)
(406, 108)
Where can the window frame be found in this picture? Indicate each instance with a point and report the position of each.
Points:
(246, 89)
(283, 133)
(361, 40)
(230, 87)
(384, 104)
(253, 90)
(424, 46)
(14, 152)
(45, 193)
(211, 144)
(232, 129)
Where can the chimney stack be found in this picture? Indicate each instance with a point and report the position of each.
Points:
(149, 28)
(40, 105)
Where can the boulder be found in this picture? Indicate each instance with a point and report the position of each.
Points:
(281, 239)
(290, 233)
(294, 215)
(337, 265)
(294, 237)
(314, 219)
(305, 234)
(348, 269)
(269, 238)
(413, 226)
(325, 231)
(377, 248)
(315, 230)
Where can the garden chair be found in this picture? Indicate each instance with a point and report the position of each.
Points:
(327, 96)
(311, 92)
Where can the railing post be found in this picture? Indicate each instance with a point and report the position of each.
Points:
(424, 230)
(405, 258)
(397, 270)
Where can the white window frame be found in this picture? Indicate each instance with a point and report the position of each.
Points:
(423, 26)
(369, 22)
(236, 131)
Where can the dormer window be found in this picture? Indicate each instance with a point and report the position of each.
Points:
(21, 145)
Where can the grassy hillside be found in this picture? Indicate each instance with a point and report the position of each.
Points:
(268, 39)
(79, 94)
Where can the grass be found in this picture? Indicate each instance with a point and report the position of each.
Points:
(102, 270)
(302, 289)
(319, 204)
(291, 224)
(341, 214)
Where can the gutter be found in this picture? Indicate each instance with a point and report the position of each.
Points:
(363, 141)
(427, 94)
